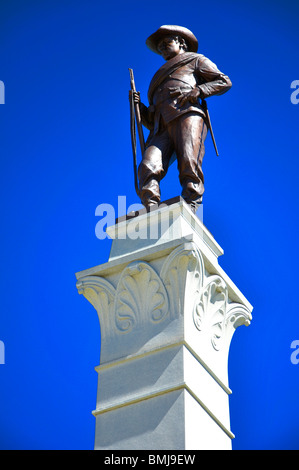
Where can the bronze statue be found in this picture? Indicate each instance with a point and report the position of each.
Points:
(177, 115)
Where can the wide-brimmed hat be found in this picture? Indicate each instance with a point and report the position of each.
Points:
(172, 30)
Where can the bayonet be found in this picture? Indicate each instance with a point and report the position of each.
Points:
(205, 108)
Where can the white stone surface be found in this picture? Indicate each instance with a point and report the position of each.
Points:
(168, 313)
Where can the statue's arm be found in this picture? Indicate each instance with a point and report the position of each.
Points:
(147, 115)
(211, 80)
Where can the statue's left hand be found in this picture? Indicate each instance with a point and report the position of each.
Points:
(192, 96)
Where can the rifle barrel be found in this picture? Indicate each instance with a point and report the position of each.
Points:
(138, 115)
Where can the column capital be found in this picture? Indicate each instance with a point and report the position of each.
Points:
(167, 312)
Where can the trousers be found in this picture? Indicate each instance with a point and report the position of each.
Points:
(185, 136)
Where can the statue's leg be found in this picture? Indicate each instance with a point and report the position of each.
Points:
(188, 133)
(153, 168)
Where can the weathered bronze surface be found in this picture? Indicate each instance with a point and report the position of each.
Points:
(177, 114)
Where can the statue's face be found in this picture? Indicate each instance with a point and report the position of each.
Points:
(169, 47)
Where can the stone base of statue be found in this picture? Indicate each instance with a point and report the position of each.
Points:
(167, 312)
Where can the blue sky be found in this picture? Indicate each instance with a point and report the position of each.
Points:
(65, 148)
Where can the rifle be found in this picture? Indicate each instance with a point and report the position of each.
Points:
(135, 115)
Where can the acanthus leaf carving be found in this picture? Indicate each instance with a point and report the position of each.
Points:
(101, 294)
(237, 315)
(182, 274)
(209, 313)
(140, 296)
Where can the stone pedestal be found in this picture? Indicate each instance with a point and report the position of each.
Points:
(167, 313)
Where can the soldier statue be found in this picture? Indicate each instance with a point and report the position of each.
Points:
(177, 117)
